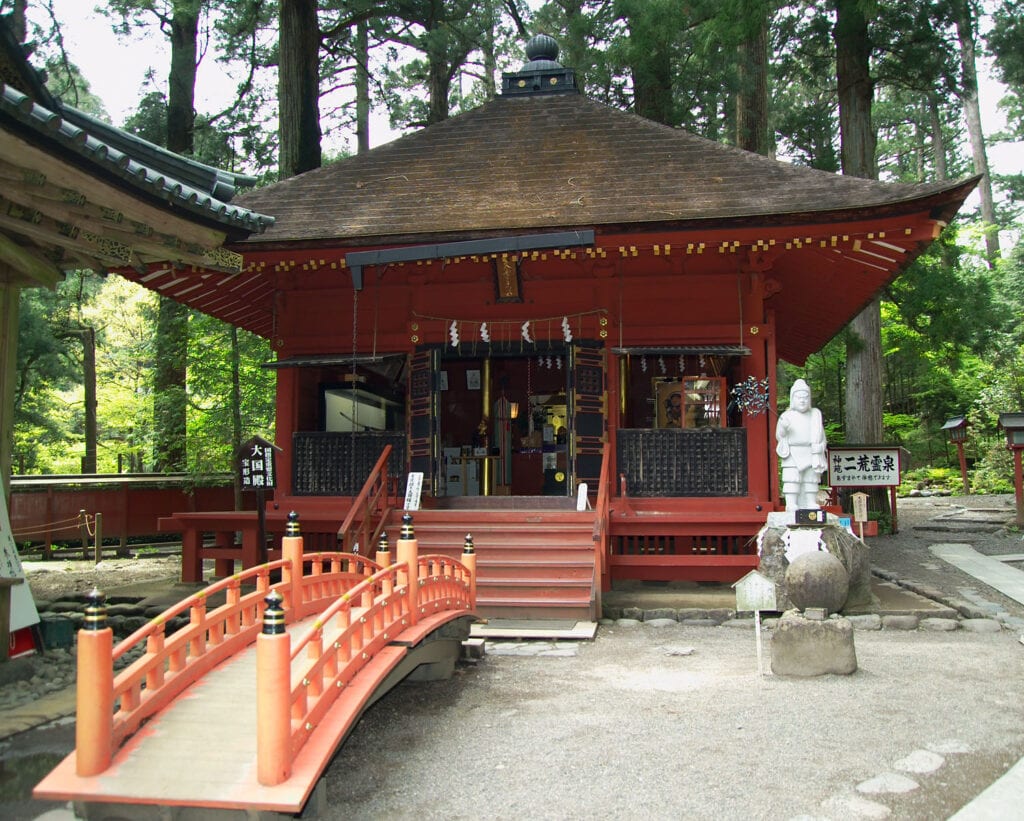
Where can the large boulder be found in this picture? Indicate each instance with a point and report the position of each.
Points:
(806, 647)
(817, 579)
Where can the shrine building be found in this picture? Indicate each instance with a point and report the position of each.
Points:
(545, 292)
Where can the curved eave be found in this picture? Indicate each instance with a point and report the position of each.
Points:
(59, 135)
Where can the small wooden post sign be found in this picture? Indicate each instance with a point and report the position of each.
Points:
(756, 592)
(256, 471)
(860, 511)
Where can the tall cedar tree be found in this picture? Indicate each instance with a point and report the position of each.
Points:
(299, 88)
(857, 141)
(180, 20)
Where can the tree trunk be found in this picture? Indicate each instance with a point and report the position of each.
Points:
(362, 87)
(236, 410)
(972, 113)
(172, 326)
(938, 139)
(299, 88)
(752, 130)
(169, 387)
(89, 383)
(181, 83)
(651, 69)
(17, 21)
(857, 138)
(439, 84)
(855, 90)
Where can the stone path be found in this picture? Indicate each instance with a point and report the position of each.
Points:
(995, 573)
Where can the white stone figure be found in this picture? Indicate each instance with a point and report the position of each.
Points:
(800, 443)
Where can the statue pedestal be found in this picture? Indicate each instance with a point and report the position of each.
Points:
(807, 647)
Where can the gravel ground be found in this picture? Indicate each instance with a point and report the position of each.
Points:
(633, 727)
(677, 722)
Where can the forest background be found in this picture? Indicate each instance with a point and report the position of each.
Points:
(876, 88)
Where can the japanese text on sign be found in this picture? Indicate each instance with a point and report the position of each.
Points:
(863, 467)
(256, 465)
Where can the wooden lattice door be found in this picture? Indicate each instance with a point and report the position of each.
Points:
(588, 405)
(422, 416)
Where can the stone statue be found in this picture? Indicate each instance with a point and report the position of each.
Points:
(800, 438)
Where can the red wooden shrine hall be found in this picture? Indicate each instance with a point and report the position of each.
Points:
(545, 288)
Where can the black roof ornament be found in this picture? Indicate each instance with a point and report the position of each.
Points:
(542, 74)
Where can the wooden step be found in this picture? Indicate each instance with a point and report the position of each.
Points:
(530, 564)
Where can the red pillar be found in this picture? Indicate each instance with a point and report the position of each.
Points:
(1018, 483)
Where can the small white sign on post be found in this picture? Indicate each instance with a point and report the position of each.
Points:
(756, 592)
(860, 511)
(413, 491)
(582, 502)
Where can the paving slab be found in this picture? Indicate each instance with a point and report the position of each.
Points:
(1007, 580)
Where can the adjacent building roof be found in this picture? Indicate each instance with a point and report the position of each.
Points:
(80, 193)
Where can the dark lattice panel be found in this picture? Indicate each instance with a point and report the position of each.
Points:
(683, 545)
(700, 462)
(337, 464)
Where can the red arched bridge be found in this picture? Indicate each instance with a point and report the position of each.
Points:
(243, 707)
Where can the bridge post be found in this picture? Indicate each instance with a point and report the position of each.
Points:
(408, 554)
(383, 558)
(469, 559)
(292, 547)
(94, 690)
(273, 696)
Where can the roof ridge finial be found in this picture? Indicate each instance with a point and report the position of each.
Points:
(542, 47)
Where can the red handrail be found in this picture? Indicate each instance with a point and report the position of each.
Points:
(370, 509)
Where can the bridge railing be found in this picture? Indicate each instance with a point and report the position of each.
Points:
(371, 604)
(110, 708)
(293, 696)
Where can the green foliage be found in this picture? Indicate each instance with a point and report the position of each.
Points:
(933, 479)
(993, 473)
(211, 438)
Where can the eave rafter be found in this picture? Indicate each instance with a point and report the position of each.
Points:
(80, 221)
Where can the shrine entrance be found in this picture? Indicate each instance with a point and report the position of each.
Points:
(490, 423)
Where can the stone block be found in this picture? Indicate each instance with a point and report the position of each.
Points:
(870, 621)
(805, 648)
(817, 580)
(900, 622)
(721, 614)
(660, 613)
(474, 648)
(981, 625)
(940, 625)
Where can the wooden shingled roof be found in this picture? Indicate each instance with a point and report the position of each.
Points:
(541, 161)
(558, 162)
